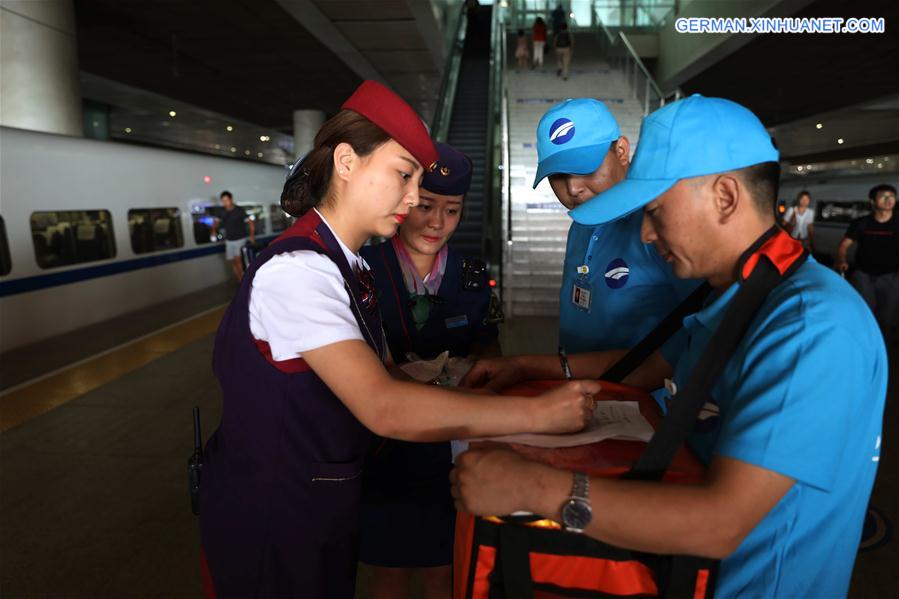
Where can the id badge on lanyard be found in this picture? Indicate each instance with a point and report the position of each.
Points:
(582, 290)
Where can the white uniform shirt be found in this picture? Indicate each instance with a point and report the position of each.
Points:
(803, 220)
(299, 302)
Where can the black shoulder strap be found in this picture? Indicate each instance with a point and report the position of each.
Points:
(658, 336)
(763, 278)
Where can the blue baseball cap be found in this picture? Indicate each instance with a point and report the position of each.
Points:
(692, 137)
(573, 138)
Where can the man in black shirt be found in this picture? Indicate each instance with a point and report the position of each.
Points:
(876, 275)
(234, 220)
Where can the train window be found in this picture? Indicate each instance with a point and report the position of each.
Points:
(5, 260)
(280, 219)
(256, 214)
(155, 229)
(71, 237)
(840, 211)
(203, 218)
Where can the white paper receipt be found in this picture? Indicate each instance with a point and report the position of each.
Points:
(611, 420)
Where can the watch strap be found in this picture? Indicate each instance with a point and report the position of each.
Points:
(581, 486)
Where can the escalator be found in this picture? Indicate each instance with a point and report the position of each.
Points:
(468, 129)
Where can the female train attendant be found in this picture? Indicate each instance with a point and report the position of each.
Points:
(300, 357)
(431, 300)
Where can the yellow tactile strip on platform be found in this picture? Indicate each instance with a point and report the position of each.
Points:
(21, 404)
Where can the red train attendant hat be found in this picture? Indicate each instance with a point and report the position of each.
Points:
(391, 113)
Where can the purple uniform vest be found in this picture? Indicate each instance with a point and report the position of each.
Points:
(281, 481)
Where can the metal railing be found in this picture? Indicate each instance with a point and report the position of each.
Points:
(620, 53)
(445, 99)
(497, 145)
(583, 14)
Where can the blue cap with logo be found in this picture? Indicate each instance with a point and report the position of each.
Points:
(692, 137)
(451, 175)
(573, 138)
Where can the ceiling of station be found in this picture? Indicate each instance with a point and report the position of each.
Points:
(868, 128)
(255, 61)
(786, 77)
(139, 116)
(252, 59)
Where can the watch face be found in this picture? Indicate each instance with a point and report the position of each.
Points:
(576, 514)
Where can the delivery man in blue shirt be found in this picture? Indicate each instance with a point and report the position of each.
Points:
(791, 440)
(615, 288)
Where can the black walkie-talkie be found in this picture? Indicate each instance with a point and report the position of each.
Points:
(195, 465)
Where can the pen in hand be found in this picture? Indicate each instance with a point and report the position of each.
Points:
(566, 367)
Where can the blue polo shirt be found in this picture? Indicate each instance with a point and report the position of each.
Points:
(803, 396)
(631, 288)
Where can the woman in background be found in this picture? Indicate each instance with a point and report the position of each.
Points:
(800, 219)
(539, 37)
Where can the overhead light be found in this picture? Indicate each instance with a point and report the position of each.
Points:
(840, 141)
(127, 129)
(869, 160)
(264, 138)
(819, 126)
(259, 154)
(172, 113)
(799, 169)
(233, 149)
(229, 128)
(246, 152)
(218, 147)
(879, 165)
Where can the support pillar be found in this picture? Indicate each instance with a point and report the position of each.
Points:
(306, 124)
(39, 78)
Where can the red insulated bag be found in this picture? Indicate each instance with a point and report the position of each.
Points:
(511, 558)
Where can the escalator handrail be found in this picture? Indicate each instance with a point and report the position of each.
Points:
(443, 112)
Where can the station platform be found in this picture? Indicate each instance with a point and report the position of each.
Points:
(95, 437)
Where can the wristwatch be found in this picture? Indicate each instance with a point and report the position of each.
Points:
(576, 511)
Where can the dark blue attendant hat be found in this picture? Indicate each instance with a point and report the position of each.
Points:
(451, 176)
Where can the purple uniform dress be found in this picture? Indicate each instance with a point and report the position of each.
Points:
(282, 478)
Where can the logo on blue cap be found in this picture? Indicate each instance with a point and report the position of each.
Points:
(561, 131)
(617, 273)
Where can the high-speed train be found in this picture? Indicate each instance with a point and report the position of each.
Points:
(90, 230)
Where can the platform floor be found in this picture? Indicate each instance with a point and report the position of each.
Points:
(93, 498)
